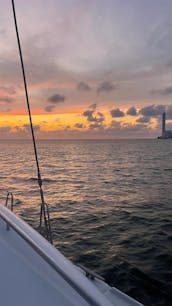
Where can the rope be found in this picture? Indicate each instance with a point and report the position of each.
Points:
(11, 199)
(43, 214)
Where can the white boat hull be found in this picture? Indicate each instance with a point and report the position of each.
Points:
(34, 273)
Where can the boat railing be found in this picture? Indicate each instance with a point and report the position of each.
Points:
(85, 295)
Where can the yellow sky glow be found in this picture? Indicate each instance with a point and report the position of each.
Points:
(49, 122)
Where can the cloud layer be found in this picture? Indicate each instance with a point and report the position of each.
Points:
(124, 70)
(115, 113)
(55, 99)
(106, 86)
(83, 86)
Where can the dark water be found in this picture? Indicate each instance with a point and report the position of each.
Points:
(110, 204)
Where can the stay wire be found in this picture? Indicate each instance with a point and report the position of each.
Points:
(44, 206)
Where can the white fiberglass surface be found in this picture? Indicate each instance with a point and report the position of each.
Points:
(28, 279)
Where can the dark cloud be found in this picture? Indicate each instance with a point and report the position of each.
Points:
(106, 86)
(100, 114)
(132, 111)
(152, 110)
(96, 125)
(6, 99)
(164, 91)
(167, 91)
(67, 128)
(49, 108)
(169, 111)
(99, 118)
(93, 106)
(143, 119)
(79, 125)
(55, 99)
(115, 124)
(89, 114)
(83, 86)
(92, 116)
(117, 113)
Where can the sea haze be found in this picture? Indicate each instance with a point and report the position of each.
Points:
(110, 204)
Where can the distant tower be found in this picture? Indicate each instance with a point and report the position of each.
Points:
(163, 124)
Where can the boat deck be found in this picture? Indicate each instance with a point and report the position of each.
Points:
(34, 273)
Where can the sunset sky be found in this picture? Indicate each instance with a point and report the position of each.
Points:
(95, 68)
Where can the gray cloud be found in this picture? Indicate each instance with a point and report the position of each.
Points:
(115, 124)
(152, 110)
(143, 119)
(89, 114)
(79, 125)
(67, 128)
(164, 91)
(6, 99)
(46, 53)
(96, 125)
(132, 111)
(93, 116)
(100, 114)
(106, 86)
(169, 111)
(117, 113)
(93, 106)
(83, 86)
(55, 99)
(49, 108)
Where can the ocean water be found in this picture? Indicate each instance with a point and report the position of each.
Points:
(110, 204)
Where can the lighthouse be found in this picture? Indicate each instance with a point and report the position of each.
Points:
(166, 134)
(163, 125)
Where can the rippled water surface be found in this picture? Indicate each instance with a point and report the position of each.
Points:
(110, 204)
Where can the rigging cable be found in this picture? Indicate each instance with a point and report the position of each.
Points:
(44, 212)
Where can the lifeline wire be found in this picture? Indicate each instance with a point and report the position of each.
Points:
(44, 206)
